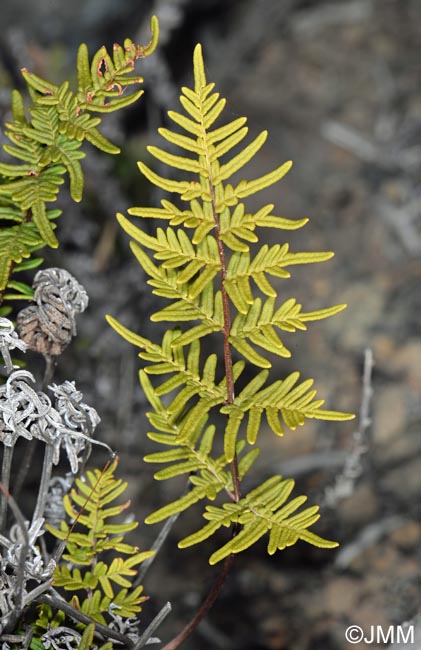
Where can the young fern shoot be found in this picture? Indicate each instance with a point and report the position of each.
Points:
(207, 262)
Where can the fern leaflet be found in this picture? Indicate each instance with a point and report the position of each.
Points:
(264, 510)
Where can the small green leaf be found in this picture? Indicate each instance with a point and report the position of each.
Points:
(179, 162)
(170, 186)
(39, 84)
(30, 264)
(227, 170)
(83, 69)
(185, 123)
(127, 334)
(101, 142)
(43, 224)
(87, 637)
(247, 188)
(114, 104)
(18, 107)
(154, 27)
(249, 353)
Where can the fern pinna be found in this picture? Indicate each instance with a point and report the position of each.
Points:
(49, 145)
(208, 264)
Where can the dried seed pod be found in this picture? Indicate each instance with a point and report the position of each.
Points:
(49, 326)
(30, 330)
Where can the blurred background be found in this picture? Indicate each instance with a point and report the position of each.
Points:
(338, 86)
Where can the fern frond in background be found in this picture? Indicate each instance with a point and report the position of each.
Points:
(209, 265)
(48, 138)
(90, 539)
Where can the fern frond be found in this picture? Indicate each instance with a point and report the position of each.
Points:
(191, 441)
(268, 261)
(49, 141)
(207, 476)
(209, 392)
(188, 305)
(204, 111)
(176, 250)
(101, 83)
(88, 507)
(16, 244)
(207, 264)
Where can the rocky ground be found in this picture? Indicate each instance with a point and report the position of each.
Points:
(337, 84)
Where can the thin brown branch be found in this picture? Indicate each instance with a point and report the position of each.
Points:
(205, 607)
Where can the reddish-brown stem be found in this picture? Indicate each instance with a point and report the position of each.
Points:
(205, 607)
(236, 494)
(227, 346)
(227, 318)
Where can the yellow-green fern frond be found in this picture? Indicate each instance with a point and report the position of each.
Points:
(47, 140)
(93, 507)
(208, 476)
(258, 325)
(220, 283)
(209, 146)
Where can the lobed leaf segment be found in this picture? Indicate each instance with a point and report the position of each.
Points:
(96, 532)
(48, 143)
(207, 263)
